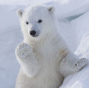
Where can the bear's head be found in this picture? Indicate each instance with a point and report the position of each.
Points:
(37, 21)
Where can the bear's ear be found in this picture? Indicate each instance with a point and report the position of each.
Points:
(20, 12)
(51, 9)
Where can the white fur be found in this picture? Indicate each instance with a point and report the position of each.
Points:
(46, 59)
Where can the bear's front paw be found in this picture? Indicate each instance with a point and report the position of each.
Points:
(23, 51)
(81, 63)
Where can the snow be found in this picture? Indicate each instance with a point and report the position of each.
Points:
(22, 2)
(75, 31)
(81, 79)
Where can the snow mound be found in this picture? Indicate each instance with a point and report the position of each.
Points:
(80, 79)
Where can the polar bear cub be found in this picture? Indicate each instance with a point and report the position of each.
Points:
(44, 56)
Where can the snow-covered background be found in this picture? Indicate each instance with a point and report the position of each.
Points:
(73, 18)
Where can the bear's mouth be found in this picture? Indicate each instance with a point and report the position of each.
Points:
(34, 35)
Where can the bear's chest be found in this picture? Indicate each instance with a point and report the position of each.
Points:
(47, 51)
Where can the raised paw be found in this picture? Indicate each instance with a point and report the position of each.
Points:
(81, 63)
(23, 51)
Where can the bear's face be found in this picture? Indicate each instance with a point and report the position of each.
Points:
(36, 21)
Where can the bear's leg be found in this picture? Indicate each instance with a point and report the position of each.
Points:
(29, 64)
(71, 64)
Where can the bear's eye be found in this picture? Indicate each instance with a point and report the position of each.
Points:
(39, 21)
(27, 23)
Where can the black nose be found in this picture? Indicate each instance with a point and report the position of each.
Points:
(32, 33)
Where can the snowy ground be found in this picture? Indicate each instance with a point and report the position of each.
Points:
(75, 30)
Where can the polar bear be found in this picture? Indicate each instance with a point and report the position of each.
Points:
(44, 56)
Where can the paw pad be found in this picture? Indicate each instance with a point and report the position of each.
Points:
(23, 50)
